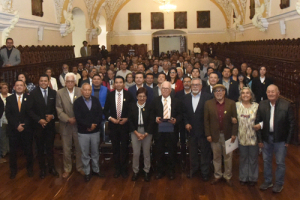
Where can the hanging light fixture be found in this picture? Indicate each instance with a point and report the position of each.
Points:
(166, 5)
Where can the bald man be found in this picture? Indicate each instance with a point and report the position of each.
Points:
(275, 125)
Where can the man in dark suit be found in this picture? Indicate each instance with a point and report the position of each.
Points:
(193, 113)
(218, 114)
(275, 125)
(232, 87)
(19, 128)
(260, 85)
(213, 80)
(116, 111)
(42, 112)
(139, 82)
(165, 108)
(157, 90)
(150, 80)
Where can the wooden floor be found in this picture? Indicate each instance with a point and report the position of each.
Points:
(25, 188)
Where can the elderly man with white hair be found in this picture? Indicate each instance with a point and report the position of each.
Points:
(166, 111)
(67, 123)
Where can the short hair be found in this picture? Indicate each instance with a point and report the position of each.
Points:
(179, 68)
(226, 68)
(26, 77)
(162, 74)
(214, 73)
(140, 73)
(69, 74)
(85, 85)
(43, 75)
(8, 39)
(195, 69)
(119, 77)
(197, 79)
(210, 68)
(252, 94)
(48, 68)
(142, 90)
(262, 67)
(150, 74)
(97, 75)
(18, 81)
(75, 66)
(63, 66)
(84, 42)
(186, 76)
(4, 83)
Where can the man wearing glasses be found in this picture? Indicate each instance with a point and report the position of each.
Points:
(219, 128)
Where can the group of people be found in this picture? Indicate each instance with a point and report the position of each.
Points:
(198, 101)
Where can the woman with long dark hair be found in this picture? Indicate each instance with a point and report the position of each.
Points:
(176, 83)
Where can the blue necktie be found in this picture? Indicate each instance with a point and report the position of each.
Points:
(45, 96)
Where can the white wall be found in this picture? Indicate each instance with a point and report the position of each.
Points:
(169, 44)
(102, 36)
(79, 34)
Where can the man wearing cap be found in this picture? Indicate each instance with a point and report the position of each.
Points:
(218, 129)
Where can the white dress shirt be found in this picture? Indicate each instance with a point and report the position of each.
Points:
(169, 105)
(42, 90)
(262, 79)
(195, 100)
(21, 99)
(271, 119)
(71, 95)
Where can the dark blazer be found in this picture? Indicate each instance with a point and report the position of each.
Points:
(134, 117)
(284, 121)
(85, 117)
(180, 95)
(207, 90)
(110, 105)
(155, 92)
(157, 111)
(211, 121)
(39, 109)
(16, 117)
(259, 89)
(1, 107)
(233, 92)
(195, 119)
(133, 90)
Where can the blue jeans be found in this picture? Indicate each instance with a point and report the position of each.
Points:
(279, 150)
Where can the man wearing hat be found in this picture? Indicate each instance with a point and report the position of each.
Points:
(218, 114)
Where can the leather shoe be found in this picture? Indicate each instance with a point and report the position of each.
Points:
(117, 174)
(135, 176)
(13, 175)
(30, 173)
(229, 182)
(53, 171)
(159, 175)
(215, 180)
(147, 177)
(87, 178)
(99, 174)
(42, 174)
(124, 174)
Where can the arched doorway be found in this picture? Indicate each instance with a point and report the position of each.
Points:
(102, 37)
(168, 40)
(79, 34)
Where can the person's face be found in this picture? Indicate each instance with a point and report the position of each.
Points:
(196, 86)
(246, 95)
(70, 82)
(235, 72)
(140, 68)
(80, 66)
(22, 78)
(49, 73)
(111, 67)
(209, 71)
(226, 73)
(87, 66)
(4, 89)
(243, 67)
(85, 44)
(195, 73)
(65, 68)
(165, 66)
(19, 87)
(149, 79)
(205, 54)
(241, 78)
(187, 83)
(44, 82)
(272, 93)
(89, 61)
(165, 90)
(75, 70)
(141, 97)
(110, 74)
(181, 59)
(213, 79)
(227, 61)
(92, 73)
(129, 79)
(249, 71)
(97, 81)
(102, 69)
(219, 93)
(139, 79)
(155, 62)
(155, 68)
(212, 65)
(86, 91)
(108, 59)
(255, 73)
(180, 73)
(189, 69)
(119, 84)
(173, 74)
(98, 62)
(262, 71)
(161, 78)
(9, 43)
(123, 66)
(197, 65)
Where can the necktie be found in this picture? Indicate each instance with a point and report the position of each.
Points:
(119, 109)
(45, 96)
(166, 112)
(19, 103)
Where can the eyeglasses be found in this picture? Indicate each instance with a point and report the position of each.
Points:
(186, 81)
(165, 88)
(217, 91)
(70, 81)
(195, 85)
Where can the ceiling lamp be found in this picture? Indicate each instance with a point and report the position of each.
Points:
(166, 6)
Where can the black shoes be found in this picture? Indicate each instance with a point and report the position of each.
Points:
(53, 171)
(87, 178)
(30, 173)
(42, 174)
(117, 174)
(135, 176)
(171, 176)
(147, 177)
(13, 175)
(124, 174)
(99, 174)
(159, 175)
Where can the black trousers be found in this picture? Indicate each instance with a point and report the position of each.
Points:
(168, 140)
(120, 139)
(16, 139)
(182, 140)
(196, 142)
(45, 142)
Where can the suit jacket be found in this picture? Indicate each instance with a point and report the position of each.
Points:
(259, 89)
(207, 90)
(39, 109)
(180, 95)
(110, 109)
(284, 121)
(233, 92)
(156, 94)
(211, 120)
(133, 90)
(64, 109)
(83, 52)
(1, 107)
(85, 117)
(14, 58)
(157, 111)
(195, 119)
(16, 117)
(134, 117)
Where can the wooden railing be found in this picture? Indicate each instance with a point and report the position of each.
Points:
(139, 49)
(281, 58)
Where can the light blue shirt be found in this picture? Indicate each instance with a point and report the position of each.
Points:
(88, 103)
(195, 100)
